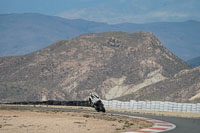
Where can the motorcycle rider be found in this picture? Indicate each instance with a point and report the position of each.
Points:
(93, 99)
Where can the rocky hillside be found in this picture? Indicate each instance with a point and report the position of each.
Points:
(112, 64)
(182, 87)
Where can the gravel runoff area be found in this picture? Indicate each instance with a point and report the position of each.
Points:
(32, 119)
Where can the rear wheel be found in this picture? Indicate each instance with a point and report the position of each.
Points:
(99, 107)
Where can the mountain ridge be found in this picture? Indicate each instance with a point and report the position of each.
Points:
(24, 33)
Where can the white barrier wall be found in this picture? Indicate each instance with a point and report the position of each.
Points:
(153, 106)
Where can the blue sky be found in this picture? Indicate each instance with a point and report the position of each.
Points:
(109, 11)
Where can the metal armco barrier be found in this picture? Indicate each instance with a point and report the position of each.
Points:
(51, 102)
(153, 106)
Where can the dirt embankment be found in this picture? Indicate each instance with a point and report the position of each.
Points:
(27, 121)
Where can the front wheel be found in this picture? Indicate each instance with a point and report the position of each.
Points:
(103, 109)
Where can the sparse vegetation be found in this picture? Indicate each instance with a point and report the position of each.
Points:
(86, 115)
(83, 121)
(127, 124)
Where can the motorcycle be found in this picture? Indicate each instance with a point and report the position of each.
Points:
(96, 102)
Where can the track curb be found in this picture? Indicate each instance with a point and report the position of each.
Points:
(159, 126)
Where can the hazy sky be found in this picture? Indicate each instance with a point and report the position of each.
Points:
(110, 11)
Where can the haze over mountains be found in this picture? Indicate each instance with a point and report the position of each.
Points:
(25, 33)
(112, 64)
(194, 62)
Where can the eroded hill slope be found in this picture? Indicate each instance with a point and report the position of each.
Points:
(112, 64)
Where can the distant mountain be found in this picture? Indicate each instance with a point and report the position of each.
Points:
(112, 64)
(195, 62)
(25, 33)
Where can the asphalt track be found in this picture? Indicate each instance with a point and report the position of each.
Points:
(183, 125)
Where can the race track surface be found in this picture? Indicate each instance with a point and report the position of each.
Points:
(183, 125)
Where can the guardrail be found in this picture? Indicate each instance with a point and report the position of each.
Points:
(52, 102)
(153, 106)
(132, 105)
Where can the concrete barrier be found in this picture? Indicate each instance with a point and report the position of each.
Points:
(153, 106)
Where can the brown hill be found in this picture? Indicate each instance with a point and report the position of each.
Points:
(183, 87)
(112, 64)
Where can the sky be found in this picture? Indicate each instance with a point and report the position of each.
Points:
(109, 11)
